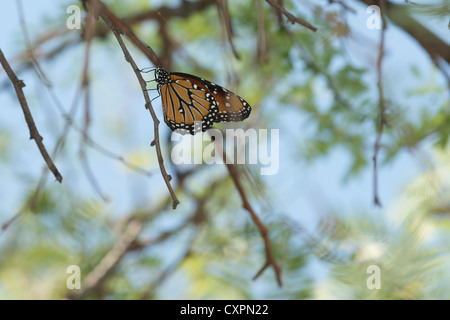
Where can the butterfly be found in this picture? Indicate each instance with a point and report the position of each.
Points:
(192, 104)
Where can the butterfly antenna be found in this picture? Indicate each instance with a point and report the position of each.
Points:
(156, 57)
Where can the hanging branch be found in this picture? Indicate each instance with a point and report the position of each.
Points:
(34, 133)
(262, 45)
(118, 27)
(117, 24)
(149, 107)
(89, 32)
(184, 10)
(263, 230)
(225, 21)
(293, 19)
(382, 122)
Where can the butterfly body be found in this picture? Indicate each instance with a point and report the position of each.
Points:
(192, 104)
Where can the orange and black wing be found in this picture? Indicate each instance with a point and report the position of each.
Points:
(188, 106)
(191, 104)
(231, 106)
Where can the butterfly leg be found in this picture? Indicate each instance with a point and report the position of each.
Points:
(147, 70)
(154, 97)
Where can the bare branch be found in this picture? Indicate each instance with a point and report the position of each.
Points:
(399, 15)
(293, 19)
(184, 10)
(119, 25)
(34, 133)
(278, 12)
(149, 107)
(116, 28)
(89, 32)
(382, 109)
(263, 48)
(263, 230)
(225, 20)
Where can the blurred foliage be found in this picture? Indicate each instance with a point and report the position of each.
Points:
(208, 248)
(440, 9)
(410, 246)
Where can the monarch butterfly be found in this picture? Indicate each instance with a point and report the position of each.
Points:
(191, 104)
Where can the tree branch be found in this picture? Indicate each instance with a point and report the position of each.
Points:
(382, 109)
(262, 46)
(115, 24)
(34, 133)
(89, 32)
(430, 42)
(225, 21)
(263, 230)
(167, 178)
(293, 19)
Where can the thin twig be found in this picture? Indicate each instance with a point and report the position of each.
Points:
(89, 32)
(184, 10)
(225, 20)
(69, 123)
(117, 24)
(149, 107)
(382, 109)
(30, 53)
(34, 133)
(293, 19)
(263, 230)
(399, 14)
(32, 202)
(263, 49)
(278, 12)
(118, 27)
